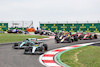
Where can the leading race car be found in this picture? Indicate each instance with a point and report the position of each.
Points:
(65, 37)
(36, 48)
(25, 43)
(44, 32)
(90, 36)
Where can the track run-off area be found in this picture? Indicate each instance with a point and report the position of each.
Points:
(10, 57)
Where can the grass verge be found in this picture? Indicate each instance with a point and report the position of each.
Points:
(5, 38)
(82, 57)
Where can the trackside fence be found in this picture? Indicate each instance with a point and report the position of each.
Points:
(72, 26)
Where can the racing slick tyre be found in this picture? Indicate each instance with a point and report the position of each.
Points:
(15, 44)
(35, 32)
(57, 40)
(26, 49)
(72, 40)
(76, 38)
(56, 37)
(95, 36)
(69, 40)
(41, 33)
(46, 33)
(45, 46)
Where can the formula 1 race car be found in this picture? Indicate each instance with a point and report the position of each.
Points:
(66, 37)
(17, 31)
(25, 43)
(36, 48)
(80, 34)
(46, 32)
(90, 36)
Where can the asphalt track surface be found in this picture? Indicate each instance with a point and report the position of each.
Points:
(10, 57)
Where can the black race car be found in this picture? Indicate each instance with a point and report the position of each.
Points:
(36, 48)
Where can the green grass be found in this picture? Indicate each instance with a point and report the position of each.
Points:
(88, 56)
(5, 38)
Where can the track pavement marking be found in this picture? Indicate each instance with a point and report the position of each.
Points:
(47, 59)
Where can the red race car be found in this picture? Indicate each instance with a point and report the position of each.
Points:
(90, 36)
(80, 34)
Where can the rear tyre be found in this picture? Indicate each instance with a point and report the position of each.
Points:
(76, 38)
(41, 33)
(45, 46)
(70, 40)
(35, 32)
(95, 36)
(15, 44)
(26, 49)
(57, 39)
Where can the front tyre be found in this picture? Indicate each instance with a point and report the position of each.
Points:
(45, 46)
(70, 40)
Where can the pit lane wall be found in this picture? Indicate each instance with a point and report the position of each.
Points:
(72, 27)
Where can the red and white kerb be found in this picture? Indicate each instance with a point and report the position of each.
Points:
(47, 59)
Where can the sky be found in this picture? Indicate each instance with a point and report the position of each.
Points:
(49, 10)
